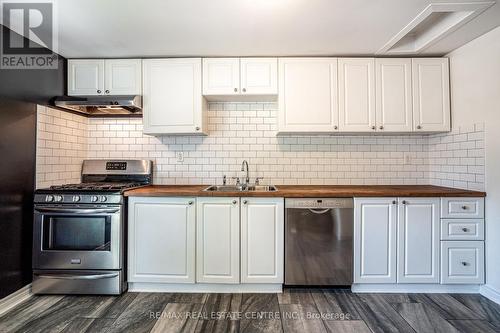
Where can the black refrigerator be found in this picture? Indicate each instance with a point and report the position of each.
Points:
(17, 182)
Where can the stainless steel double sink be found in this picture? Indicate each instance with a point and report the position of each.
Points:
(241, 188)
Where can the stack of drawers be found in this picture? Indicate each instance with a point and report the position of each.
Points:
(462, 240)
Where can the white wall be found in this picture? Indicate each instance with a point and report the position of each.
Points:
(475, 97)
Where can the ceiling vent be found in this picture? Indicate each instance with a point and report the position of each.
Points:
(435, 22)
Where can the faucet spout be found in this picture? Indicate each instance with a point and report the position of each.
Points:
(243, 165)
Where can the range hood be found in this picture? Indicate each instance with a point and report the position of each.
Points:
(101, 105)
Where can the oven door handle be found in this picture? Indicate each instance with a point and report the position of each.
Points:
(78, 277)
(77, 210)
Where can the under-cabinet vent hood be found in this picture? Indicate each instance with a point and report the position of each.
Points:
(101, 105)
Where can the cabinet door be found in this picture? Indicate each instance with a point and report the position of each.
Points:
(161, 240)
(262, 240)
(431, 94)
(218, 240)
(221, 76)
(393, 95)
(123, 77)
(418, 240)
(357, 94)
(259, 76)
(462, 262)
(85, 77)
(375, 240)
(307, 95)
(172, 101)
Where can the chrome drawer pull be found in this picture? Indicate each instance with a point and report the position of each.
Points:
(465, 229)
(464, 263)
(465, 207)
(78, 277)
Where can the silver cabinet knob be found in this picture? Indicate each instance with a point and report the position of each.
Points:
(244, 89)
(335, 127)
(190, 203)
(374, 128)
(235, 89)
(419, 127)
(381, 127)
(394, 202)
(235, 202)
(404, 202)
(107, 91)
(245, 202)
(465, 229)
(464, 263)
(98, 91)
(465, 207)
(197, 128)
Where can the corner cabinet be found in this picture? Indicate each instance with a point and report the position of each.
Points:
(93, 77)
(431, 95)
(308, 100)
(375, 225)
(172, 99)
(161, 240)
(262, 240)
(218, 240)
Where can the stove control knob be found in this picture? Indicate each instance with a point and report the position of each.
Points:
(94, 198)
(49, 198)
(76, 198)
(58, 198)
(103, 198)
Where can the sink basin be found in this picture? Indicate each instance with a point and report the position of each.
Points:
(241, 188)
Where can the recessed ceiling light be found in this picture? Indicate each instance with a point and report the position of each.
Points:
(435, 22)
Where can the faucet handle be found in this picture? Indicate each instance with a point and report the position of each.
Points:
(257, 180)
(237, 180)
(224, 180)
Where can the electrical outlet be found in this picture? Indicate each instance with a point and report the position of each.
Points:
(180, 156)
(407, 158)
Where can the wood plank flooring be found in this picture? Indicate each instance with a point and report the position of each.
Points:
(296, 310)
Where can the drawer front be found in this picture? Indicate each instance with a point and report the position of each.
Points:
(462, 208)
(462, 262)
(462, 229)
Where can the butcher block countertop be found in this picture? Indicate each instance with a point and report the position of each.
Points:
(308, 191)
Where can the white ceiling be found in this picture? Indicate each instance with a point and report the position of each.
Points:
(159, 28)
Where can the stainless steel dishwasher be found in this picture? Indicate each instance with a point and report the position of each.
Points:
(318, 241)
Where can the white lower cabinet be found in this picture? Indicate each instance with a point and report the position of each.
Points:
(218, 240)
(161, 240)
(375, 227)
(418, 240)
(262, 240)
(462, 262)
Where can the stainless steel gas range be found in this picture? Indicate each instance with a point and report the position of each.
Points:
(79, 243)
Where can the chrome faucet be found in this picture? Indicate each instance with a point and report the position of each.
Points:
(247, 178)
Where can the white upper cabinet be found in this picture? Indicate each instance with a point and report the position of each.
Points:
(161, 240)
(259, 76)
(104, 77)
(221, 76)
(218, 240)
(393, 95)
(431, 94)
(262, 240)
(375, 240)
(123, 77)
(307, 95)
(418, 240)
(85, 77)
(357, 94)
(172, 99)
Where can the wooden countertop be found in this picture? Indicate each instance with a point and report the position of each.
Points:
(309, 191)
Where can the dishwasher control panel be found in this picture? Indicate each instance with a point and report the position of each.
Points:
(319, 203)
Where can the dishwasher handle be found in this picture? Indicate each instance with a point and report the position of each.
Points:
(319, 211)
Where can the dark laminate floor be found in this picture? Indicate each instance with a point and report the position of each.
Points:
(296, 310)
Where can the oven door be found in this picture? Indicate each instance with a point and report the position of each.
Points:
(77, 238)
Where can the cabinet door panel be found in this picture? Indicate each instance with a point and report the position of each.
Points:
(393, 95)
(262, 240)
(161, 235)
(418, 240)
(431, 94)
(259, 76)
(85, 77)
(218, 240)
(123, 77)
(172, 101)
(221, 76)
(308, 95)
(375, 240)
(356, 94)
(462, 262)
